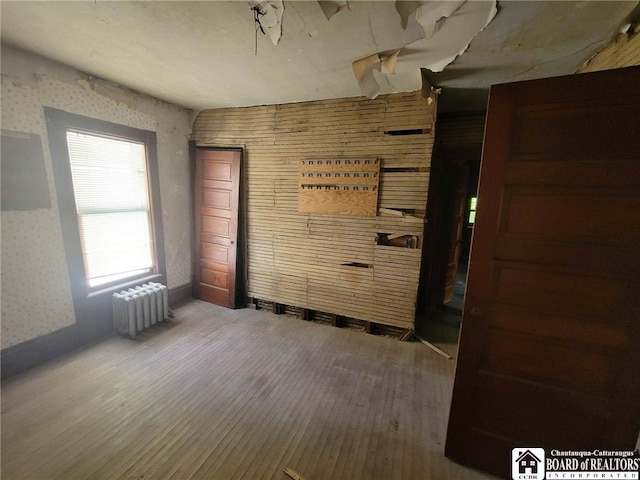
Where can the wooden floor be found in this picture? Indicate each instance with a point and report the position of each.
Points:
(222, 394)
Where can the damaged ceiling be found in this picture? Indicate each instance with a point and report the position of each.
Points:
(219, 54)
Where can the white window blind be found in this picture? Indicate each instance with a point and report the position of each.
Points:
(112, 201)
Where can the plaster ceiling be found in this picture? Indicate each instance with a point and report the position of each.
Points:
(207, 54)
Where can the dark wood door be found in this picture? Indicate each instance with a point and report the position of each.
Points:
(216, 191)
(550, 342)
(458, 182)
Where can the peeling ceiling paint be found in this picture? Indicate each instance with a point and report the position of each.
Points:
(441, 30)
(268, 18)
(203, 54)
(330, 8)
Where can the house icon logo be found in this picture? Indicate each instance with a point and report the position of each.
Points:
(527, 464)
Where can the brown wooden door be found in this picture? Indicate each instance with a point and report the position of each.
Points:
(550, 343)
(458, 182)
(216, 191)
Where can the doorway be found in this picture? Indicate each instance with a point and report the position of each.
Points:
(459, 192)
(217, 232)
(450, 220)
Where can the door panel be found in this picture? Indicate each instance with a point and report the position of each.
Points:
(215, 278)
(218, 169)
(216, 190)
(217, 199)
(549, 352)
(557, 291)
(541, 131)
(216, 225)
(519, 355)
(215, 253)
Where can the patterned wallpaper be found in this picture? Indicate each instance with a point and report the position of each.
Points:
(36, 295)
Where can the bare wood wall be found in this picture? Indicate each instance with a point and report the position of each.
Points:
(461, 134)
(302, 259)
(624, 51)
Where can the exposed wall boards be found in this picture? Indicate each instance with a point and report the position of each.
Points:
(362, 264)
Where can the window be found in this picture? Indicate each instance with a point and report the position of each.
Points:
(108, 196)
(112, 203)
(472, 210)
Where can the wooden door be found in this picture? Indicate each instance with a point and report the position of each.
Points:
(216, 191)
(458, 183)
(550, 343)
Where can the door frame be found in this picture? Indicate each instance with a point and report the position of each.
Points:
(241, 280)
(432, 274)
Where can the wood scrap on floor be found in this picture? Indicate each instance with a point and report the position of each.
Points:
(434, 348)
(408, 335)
(291, 473)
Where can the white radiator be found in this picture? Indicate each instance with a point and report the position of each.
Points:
(140, 307)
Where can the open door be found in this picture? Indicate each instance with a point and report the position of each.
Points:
(550, 344)
(457, 178)
(216, 199)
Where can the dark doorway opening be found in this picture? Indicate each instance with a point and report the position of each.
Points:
(449, 231)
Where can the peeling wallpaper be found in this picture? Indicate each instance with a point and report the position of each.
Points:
(36, 294)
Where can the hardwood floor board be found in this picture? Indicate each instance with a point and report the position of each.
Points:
(322, 397)
(295, 424)
(314, 400)
(338, 441)
(232, 394)
(180, 430)
(76, 429)
(353, 452)
(237, 414)
(367, 449)
(383, 462)
(227, 419)
(272, 387)
(178, 398)
(248, 420)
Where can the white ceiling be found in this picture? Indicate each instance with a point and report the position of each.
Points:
(203, 54)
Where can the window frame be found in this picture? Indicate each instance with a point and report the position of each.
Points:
(472, 209)
(58, 123)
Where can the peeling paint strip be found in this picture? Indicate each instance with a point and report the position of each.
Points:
(361, 66)
(331, 7)
(406, 9)
(363, 71)
(426, 84)
(433, 15)
(389, 62)
(440, 65)
(271, 13)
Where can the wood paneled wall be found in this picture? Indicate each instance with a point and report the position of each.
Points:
(331, 263)
(624, 51)
(461, 135)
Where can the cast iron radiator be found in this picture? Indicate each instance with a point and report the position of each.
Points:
(140, 307)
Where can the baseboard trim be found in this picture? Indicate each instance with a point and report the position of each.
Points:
(179, 294)
(26, 355)
(23, 356)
